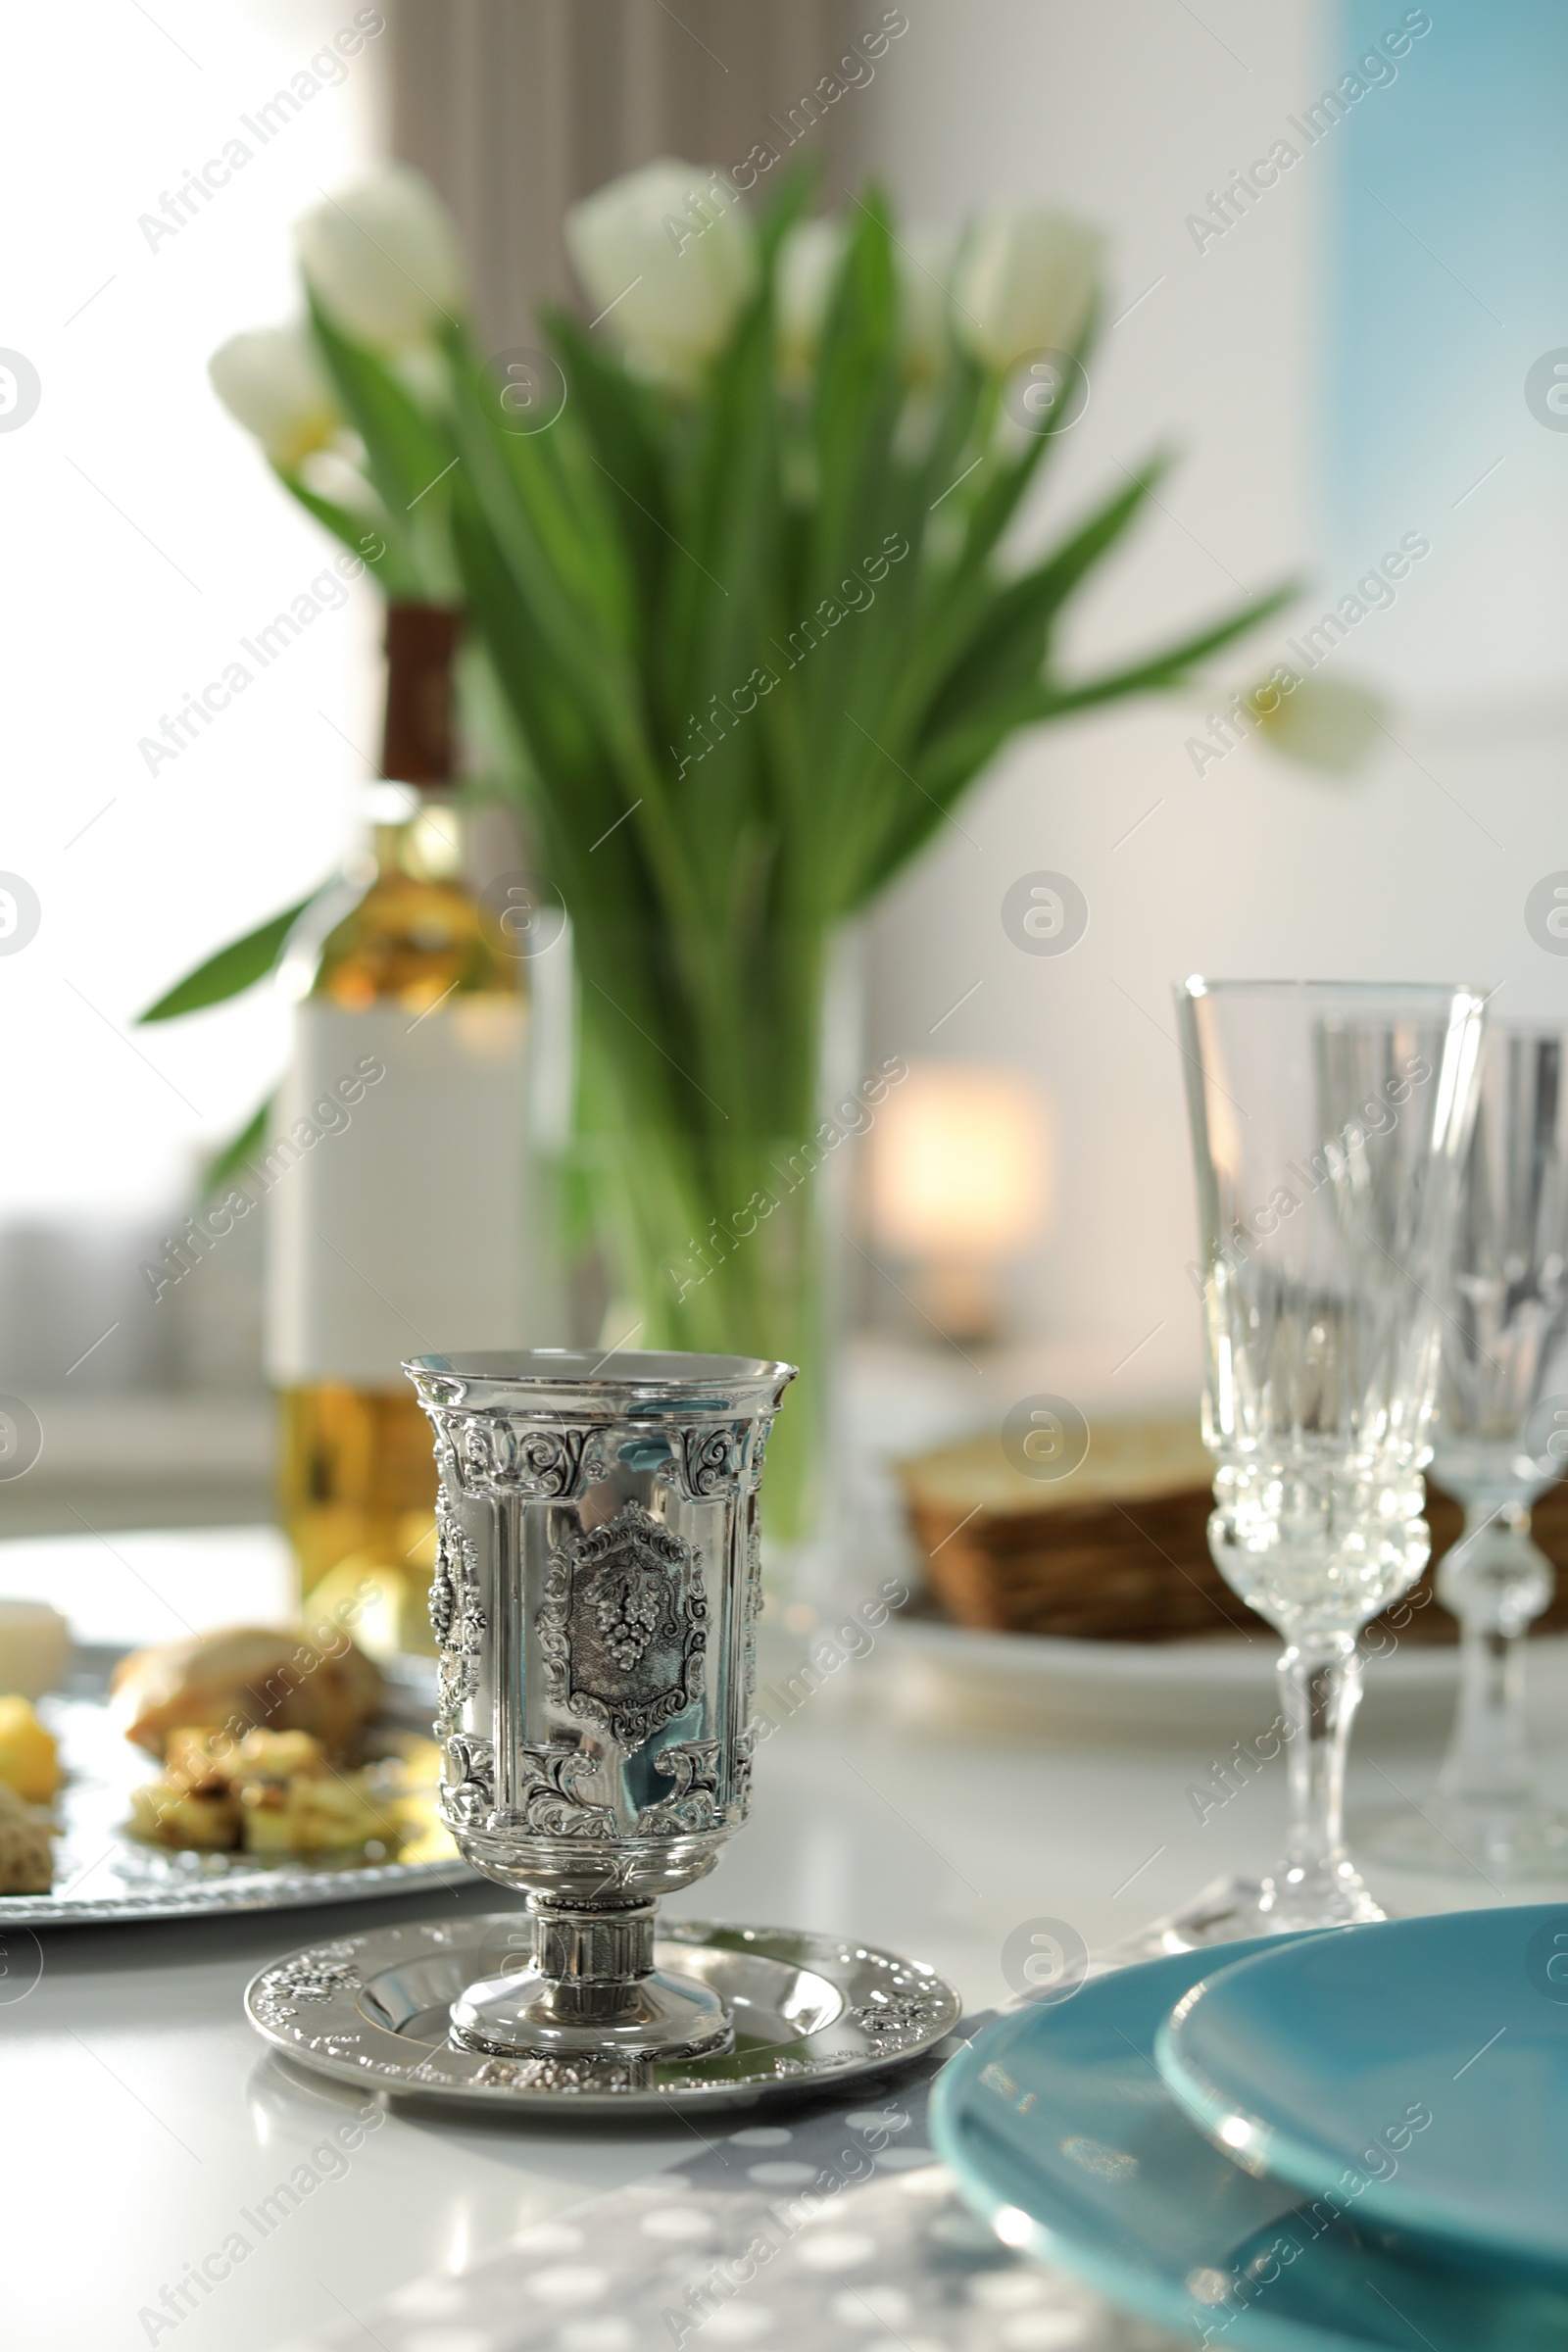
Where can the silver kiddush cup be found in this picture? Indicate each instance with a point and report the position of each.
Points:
(597, 1586)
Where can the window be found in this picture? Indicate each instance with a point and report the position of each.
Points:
(146, 547)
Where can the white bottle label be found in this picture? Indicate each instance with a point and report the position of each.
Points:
(396, 1189)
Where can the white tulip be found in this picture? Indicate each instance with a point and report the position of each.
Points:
(1025, 283)
(271, 382)
(668, 256)
(924, 258)
(383, 259)
(808, 264)
(1319, 721)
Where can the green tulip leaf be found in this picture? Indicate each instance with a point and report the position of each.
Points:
(238, 1151)
(231, 972)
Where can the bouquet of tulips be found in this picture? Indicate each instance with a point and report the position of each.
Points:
(735, 543)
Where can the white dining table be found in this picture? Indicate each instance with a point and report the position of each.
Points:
(141, 2114)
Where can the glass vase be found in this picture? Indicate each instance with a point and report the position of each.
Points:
(732, 1239)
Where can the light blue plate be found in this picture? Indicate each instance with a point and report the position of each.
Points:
(1415, 2071)
(1061, 2132)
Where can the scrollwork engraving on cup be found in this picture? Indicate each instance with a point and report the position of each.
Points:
(469, 1792)
(456, 1617)
(753, 1608)
(496, 1456)
(744, 1752)
(703, 1463)
(548, 1804)
(693, 1803)
(622, 1626)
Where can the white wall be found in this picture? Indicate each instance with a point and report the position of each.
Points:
(1128, 115)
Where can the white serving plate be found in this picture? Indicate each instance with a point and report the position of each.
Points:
(1125, 1689)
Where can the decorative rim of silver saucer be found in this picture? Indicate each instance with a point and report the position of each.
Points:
(294, 1884)
(331, 2007)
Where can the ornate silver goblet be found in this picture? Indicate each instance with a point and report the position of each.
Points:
(597, 1587)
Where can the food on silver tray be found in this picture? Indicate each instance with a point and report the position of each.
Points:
(27, 1858)
(271, 1792)
(248, 1678)
(29, 1756)
(279, 1792)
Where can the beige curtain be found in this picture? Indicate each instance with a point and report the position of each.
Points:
(515, 107)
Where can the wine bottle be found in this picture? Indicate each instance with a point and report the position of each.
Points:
(400, 1226)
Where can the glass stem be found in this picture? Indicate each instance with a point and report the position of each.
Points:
(1487, 1582)
(1320, 1689)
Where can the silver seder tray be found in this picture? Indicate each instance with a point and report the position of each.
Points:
(810, 2012)
(102, 1873)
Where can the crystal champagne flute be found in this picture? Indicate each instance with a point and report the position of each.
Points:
(1500, 1440)
(1330, 1122)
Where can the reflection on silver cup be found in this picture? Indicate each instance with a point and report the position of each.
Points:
(595, 1598)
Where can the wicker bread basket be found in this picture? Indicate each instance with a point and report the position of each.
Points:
(1119, 1551)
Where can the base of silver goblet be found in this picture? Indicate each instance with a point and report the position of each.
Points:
(591, 1991)
(525, 2017)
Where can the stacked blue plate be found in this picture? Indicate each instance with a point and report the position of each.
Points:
(1352, 2138)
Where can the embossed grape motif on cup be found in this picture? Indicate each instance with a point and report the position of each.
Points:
(628, 1615)
(623, 1626)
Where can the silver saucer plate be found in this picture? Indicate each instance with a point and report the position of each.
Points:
(809, 2011)
(103, 1874)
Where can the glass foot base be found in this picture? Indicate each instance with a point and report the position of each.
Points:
(535, 2016)
(1234, 1909)
(1505, 1844)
